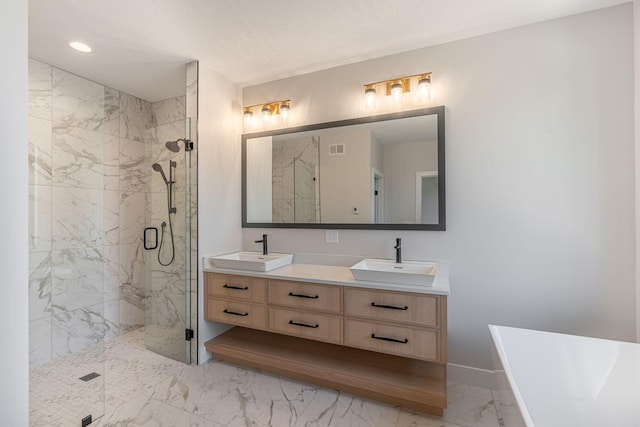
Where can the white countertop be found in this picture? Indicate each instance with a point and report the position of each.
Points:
(565, 380)
(338, 275)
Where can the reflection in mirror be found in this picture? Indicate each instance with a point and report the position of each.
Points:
(379, 172)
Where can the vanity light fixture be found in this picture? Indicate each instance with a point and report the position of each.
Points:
(80, 47)
(370, 96)
(284, 110)
(266, 112)
(281, 108)
(396, 87)
(248, 116)
(424, 87)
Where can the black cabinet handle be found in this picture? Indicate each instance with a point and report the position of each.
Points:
(291, 294)
(291, 322)
(390, 307)
(234, 313)
(236, 287)
(406, 340)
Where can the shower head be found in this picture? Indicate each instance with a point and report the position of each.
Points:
(156, 167)
(175, 147)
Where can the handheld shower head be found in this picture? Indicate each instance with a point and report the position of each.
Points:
(156, 167)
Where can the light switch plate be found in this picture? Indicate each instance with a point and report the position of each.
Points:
(331, 236)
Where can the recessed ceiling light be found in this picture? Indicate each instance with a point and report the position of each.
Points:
(80, 47)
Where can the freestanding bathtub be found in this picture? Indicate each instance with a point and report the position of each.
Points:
(557, 380)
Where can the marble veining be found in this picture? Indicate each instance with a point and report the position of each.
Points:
(77, 102)
(169, 110)
(77, 218)
(135, 117)
(39, 151)
(134, 168)
(74, 331)
(77, 278)
(77, 158)
(111, 112)
(39, 90)
(295, 189)
(39, 218)
(39, 285)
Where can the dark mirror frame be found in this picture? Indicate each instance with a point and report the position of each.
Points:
(440, 226)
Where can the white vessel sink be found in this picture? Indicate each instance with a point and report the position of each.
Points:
(253, 261)
(388, 271)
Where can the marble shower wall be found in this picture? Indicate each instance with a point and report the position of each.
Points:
(88, 185)
(295, 181)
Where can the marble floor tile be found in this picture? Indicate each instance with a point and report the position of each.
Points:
(144, 411)
(140, 388)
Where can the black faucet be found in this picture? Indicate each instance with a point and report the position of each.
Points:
(264, 244)
(398, 248)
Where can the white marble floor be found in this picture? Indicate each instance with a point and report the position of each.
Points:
(139, 388)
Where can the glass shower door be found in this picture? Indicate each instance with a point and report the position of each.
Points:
(168, 241)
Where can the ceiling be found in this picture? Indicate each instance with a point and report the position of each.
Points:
(141, 46)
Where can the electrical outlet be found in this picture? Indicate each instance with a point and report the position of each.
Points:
(331, 236)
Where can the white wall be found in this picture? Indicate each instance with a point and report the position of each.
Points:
(402, 161)
(346, 178)
(219, 172)
(540, 175)
(259, 182)
(14, 309)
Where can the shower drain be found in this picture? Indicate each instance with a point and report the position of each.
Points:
(89, 377)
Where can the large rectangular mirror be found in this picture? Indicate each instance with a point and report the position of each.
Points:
(382, 172)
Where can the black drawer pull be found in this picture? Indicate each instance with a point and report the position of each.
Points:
(406, 340)
(236, 287)
(291, 294)
(391, 307)
(235, 313)
(291, 322)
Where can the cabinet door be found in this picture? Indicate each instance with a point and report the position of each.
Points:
(237, 313)
(416, 309)
(395, 339)
(240, 287)
(305, 324)
(312, 296)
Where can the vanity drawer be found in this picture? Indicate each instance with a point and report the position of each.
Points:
(304, 324)
(394, 339)
(237, 313)
(306, 295)
(393, 306)
(240, 287)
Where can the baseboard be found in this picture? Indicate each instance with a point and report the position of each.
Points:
(471, 376)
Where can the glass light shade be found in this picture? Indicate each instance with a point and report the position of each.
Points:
(370, 97)
(284, 111)
(248, 116)
(424, 88)
(396, 91)
(266, 113)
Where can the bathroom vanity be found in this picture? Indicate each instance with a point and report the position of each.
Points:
(316, 323)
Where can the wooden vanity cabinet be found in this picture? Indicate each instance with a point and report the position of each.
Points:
(384, 345)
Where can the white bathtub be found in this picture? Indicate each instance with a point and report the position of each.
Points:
(558, 380)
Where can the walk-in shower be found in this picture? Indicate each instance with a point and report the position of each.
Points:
(95, 186)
